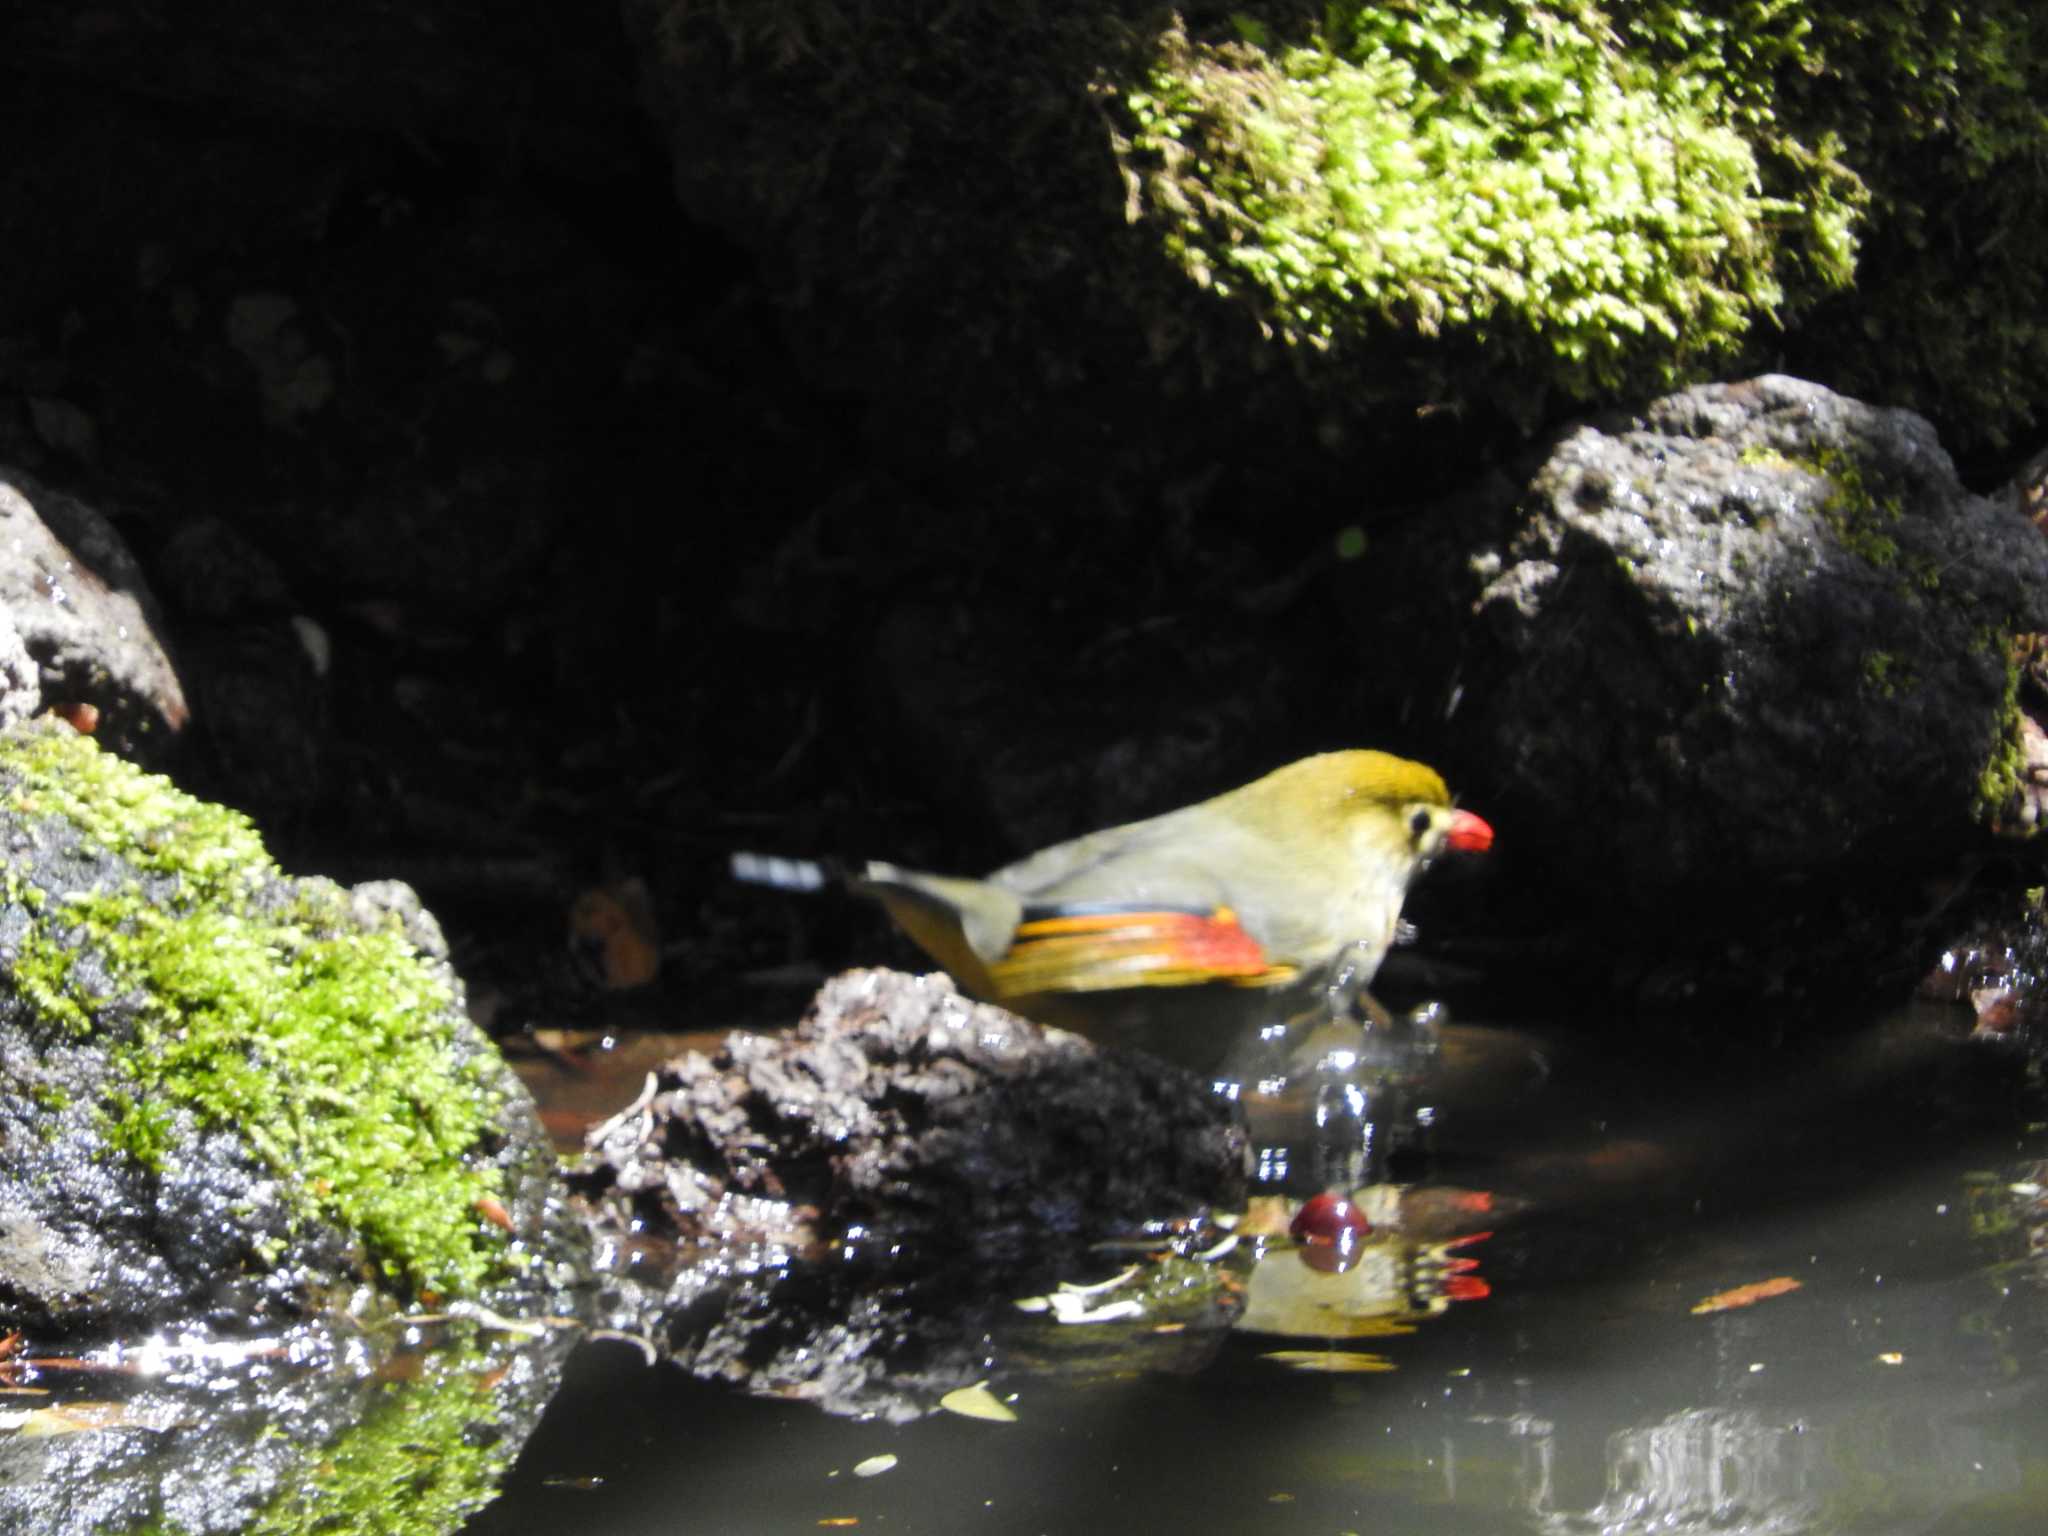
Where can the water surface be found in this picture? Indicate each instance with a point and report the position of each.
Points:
(1571, 1387)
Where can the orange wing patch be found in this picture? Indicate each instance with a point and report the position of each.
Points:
(1100, 951)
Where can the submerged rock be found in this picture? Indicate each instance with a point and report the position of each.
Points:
(232, 1097)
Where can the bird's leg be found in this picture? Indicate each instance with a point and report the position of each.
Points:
(1347, 995)
(1364, 1060)
(1344, 1150)
(1345, 1139)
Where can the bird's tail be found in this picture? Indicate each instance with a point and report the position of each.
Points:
(785, 874)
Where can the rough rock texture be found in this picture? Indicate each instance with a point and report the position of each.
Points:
(843, 1215)
(1733, 675)
(901, 1110)
(1762, 630)
(231, 1097)
(21, 694)
(77, 600)
(316, 1430)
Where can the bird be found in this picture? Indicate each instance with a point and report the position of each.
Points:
(1272, 900)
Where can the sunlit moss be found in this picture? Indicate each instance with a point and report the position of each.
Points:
(426, 1453)
(414, 1464)
(258, 1005)
(1523, 173)
(1568, 194)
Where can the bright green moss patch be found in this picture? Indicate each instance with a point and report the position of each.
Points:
(213, 852)
(1517, 172)
(257, 1004)
(413, 1464)
(426, 1453)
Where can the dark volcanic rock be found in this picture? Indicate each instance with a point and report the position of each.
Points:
(845, 1214)
(905, 1119)
(1735, 684)
(1762, 630)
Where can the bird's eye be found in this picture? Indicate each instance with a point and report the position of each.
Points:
(1418, 823)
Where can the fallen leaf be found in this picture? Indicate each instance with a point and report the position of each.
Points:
(612, 927)
(1335, 1362)
(1747, 1295)
(82, 1417)
(977, 1402)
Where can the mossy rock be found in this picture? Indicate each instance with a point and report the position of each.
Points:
(231, 1092)
(359, 1435)
(1504, 204)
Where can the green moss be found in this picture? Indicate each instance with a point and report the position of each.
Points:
(1526, 174)
(413, 1463)
(425, 1455)
(1884, 674)
(324, 1046)
(212, 852)
(1763, 456)
(2003, 778)
(1939, 108)
(1862, 512)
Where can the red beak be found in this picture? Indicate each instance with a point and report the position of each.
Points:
(1468, 833)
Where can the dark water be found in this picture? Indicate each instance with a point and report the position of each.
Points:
(1899, 1388)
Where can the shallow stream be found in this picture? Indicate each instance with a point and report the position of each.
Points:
(1721, 1287)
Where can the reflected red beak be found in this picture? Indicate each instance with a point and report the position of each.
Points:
(1468, 833)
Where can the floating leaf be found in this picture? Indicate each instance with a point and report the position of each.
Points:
(875, 1466)
(977, 1402)
(1747, 1295)
(1335, 1362)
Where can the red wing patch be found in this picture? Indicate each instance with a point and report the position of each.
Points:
(1096, 951)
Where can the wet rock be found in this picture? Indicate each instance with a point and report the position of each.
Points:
(76, 599)
(905, 1122)
(319, 1428)
(1997, 965)
(844, 1214)
(232, 1097)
